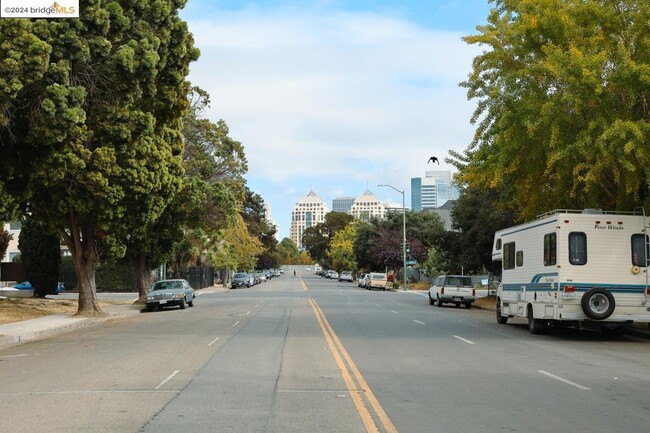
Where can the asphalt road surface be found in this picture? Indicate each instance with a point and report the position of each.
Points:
(314, 355)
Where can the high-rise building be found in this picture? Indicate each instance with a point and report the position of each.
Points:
(309, 211)
(367, 206)
(342, 204)
(432, 191)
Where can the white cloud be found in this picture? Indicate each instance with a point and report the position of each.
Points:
(350, 97)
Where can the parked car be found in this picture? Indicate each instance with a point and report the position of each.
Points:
(167, 293)
(332, 274)
(362, 280)
(345, 276)
(456, 289)
(241, 279)
(261, 276)
(376, 280)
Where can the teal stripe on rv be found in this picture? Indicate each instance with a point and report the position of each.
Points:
(580, 287)
(538, 277)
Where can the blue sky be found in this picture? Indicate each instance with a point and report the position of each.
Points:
(337, 96)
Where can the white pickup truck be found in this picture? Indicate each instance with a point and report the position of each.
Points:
(376, 280)
(456, 289)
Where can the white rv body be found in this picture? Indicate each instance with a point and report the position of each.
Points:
(580, 267)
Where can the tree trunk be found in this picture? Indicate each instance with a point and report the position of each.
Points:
(80, 240)
(88, 303)
(141, 272)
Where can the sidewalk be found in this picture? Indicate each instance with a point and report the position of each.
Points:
(16, 333)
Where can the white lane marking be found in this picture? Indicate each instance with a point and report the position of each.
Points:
(257, 305)
(14, 356)
(462, 339)
(160, 385)
(421, 323)
(248, 312)
(235, 324)
(416, 293)
(214, 341)
(568, 382)
(394, 312)
(378, 305)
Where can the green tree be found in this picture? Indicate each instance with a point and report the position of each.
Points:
(206, 207)
(316, 239)
(476, 215)
(364, 239)
(40, 252)
(437, 262)
(289, 251)
(237, 249)
(98, 130)
(340, 252)
(254, 215)
(563, 114)
(5, 238)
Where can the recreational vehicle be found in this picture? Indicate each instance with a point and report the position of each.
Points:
(577, 268)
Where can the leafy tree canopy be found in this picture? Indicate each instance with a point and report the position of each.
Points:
(563, 116)
(340, 252)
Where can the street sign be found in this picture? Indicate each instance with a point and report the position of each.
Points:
(411, 262)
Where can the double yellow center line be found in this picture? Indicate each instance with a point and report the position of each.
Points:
(372, 413)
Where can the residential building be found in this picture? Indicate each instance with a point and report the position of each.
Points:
(309, 211)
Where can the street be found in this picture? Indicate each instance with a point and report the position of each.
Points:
(314, 355)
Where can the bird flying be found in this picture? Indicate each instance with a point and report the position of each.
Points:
(434, 159)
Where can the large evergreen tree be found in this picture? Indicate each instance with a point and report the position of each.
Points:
(96, 133)
(40, 252)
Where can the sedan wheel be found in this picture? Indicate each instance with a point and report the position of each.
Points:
(182, 304)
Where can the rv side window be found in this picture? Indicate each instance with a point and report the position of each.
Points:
(550, 249)
(498, 245)
(520, 258)
(640, 251)
(577, 248)
(509, 255)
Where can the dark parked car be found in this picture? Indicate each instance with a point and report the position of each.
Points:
(241, 279)
(167, 293)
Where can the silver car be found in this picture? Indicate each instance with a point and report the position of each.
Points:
(167, 293)
(346, 276)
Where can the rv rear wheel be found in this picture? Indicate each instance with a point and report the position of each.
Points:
(598, 303)
(535, 326)
(501, 320)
